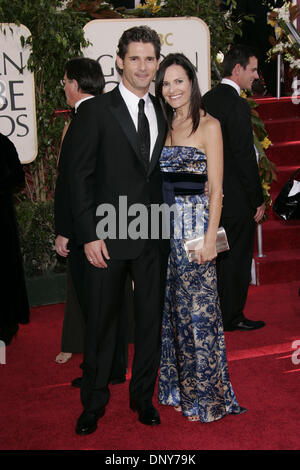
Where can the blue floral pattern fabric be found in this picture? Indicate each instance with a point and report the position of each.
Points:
(193, 369)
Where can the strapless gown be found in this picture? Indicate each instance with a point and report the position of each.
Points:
(193, 369)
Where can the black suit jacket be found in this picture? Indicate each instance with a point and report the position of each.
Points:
(241, 184)
(63, 219)
(14, 299)
(101, 161)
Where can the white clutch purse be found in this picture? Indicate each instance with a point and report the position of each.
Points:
(191, 246)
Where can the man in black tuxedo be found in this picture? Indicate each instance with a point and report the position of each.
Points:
(243, 204)
(115, 157)
(83, 79)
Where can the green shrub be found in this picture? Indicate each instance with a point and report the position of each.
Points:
(36, 234)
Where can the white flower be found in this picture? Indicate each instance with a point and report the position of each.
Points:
(220, 57)
(284, 12)
(63, 6)
(281, 46)
(294, 63)
(278, 48)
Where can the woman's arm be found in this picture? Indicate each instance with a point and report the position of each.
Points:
(213, 144)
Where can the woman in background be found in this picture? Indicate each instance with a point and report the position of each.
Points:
(14, 299)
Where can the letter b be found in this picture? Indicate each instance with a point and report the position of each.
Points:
(3, 99)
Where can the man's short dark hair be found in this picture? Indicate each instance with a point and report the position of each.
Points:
(238, 54)
(138, 34)
(88, 74)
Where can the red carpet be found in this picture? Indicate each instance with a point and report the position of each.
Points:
(39, 408)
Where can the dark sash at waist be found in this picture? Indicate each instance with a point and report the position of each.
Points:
(184, 177)
(188, 191)
(175, 184)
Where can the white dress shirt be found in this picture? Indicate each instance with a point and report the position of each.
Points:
(81, 101)
(132, 102)
(227, 81)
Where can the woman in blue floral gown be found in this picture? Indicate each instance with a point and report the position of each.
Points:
(193, 373)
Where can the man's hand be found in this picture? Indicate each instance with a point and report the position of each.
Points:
(96, 253)
(260, 213)
(61, 246)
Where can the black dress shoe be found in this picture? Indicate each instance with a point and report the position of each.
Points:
(77, 382)
(87, 422)
(147, 413)
(118, 380)
(247, 325)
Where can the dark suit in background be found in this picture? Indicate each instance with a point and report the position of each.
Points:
(74, 321)
(14, 299)
(242, 195)
(63, 218)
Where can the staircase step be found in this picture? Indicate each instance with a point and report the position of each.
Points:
(278, 108)
(280, 239)
(284, 153)
(278, 266)
(286, 129)
(278, 235)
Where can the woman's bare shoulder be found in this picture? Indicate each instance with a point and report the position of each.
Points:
(209, 121)
(208, 127)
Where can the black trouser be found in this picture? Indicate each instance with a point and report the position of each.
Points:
(75, 313)
(234, 268)
(104, 289)
(72, 338)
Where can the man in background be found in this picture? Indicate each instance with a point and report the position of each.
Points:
(243, 204)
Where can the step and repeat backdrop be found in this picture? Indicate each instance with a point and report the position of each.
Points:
(17, 99)
(187, 35)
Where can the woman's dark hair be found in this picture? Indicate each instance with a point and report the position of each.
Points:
(195, 101)
(88, 74)
(238, 54)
